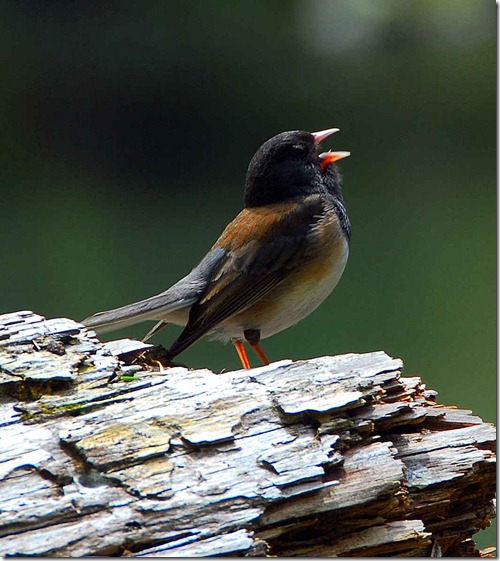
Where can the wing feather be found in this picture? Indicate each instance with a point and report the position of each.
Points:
(264, 246)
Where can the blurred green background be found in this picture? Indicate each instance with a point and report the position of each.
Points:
(127, 128)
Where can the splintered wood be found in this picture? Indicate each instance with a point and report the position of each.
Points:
(333, 456)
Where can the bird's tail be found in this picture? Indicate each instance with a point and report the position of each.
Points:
(180, 296)
(154, 308)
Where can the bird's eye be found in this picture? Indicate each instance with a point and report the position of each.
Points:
(298, 148)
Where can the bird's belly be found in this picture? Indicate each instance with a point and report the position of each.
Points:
(291, 301)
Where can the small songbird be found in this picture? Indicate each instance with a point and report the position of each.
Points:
(273, 264)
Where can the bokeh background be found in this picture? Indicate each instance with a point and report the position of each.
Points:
(127, 128)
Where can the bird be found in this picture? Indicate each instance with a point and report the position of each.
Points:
(274, 264)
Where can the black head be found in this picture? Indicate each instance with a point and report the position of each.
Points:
(284, 167)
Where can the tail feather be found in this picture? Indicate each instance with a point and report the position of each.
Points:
(154, 308)
(180, 296)
(157, 326)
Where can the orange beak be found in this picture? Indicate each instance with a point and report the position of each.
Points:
(330, 157)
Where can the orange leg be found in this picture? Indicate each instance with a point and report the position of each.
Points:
(240, 349)
(258, 349)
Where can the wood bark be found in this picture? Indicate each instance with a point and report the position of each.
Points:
(103, 454)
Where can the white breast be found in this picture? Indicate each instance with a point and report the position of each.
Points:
(296, 303)
(309, 297)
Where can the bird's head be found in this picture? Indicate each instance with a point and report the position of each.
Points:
(287, 166)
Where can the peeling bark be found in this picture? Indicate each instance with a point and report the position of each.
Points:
(333, 456)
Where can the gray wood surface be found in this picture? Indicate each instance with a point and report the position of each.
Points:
(332, 456)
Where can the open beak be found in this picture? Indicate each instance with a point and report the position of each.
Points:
(322, 135)
(330, 157)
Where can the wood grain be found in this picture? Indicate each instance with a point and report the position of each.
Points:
(333, 456)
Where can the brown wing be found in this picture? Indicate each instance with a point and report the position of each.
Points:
(263, 247)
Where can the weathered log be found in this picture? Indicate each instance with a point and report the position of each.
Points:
(333, 456)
